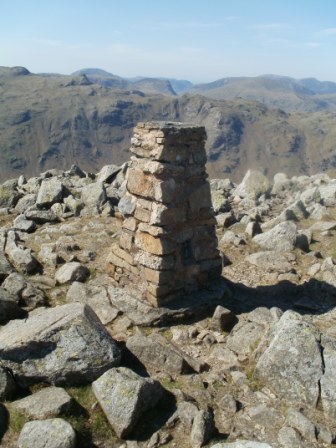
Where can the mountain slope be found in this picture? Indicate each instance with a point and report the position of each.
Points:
(145, 85)
(53, 122)
(274, 91)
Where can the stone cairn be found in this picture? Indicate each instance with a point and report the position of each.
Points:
(168, 243)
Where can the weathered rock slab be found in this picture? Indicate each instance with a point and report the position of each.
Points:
(62, 345)
(292, 364)
(96, 297)
(272, 261)
(156, 351)
(46, 403)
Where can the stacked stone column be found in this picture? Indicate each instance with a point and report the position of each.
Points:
(168, 244)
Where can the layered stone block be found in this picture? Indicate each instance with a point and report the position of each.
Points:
(168, 244)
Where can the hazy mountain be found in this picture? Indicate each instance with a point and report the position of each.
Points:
(49, 122)
(289, 94)
(153, 86)
(180, 85)
(316, 86)
(14, 71)
(99, 76)
(145, 85)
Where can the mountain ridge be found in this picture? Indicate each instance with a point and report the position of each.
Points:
(55, 121)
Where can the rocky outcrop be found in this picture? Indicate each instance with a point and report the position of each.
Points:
(256, 364)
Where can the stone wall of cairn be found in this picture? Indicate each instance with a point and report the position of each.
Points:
(168, 244)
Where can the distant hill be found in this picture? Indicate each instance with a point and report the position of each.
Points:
(289, 94)
(99, 76)
(55, 121)
(319, 87)
(145, 85)
(180, 85)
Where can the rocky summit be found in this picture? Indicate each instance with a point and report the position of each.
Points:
(247, 361)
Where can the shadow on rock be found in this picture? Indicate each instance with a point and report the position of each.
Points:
(4, 421)
(154, 419)
(312, 297)
(132, 362)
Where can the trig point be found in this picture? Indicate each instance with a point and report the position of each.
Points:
(168, 244)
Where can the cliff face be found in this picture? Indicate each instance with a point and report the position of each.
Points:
(55, 121)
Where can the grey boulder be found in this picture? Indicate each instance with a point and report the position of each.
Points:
(27, 295)
(96, 297)
(124, 396)
(24, 224)
(50, 192)
(292, 364)
(53, 433)
(202, 428)
(71, 272)
(156, 351)
(9, 307)
(272, 261)
(108, 173)
(281, 238)
(41, 216)
(94, 195)
(62, 345)
(8, 195)
(253, 185)
(21, 258)
(46, 403)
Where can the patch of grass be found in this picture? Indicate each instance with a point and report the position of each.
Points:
(254, 383)
(255, 344)
(16, 419)
(88, 419)
(60, 297)
(167, 333)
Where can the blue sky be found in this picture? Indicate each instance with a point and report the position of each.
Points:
(199, 40)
